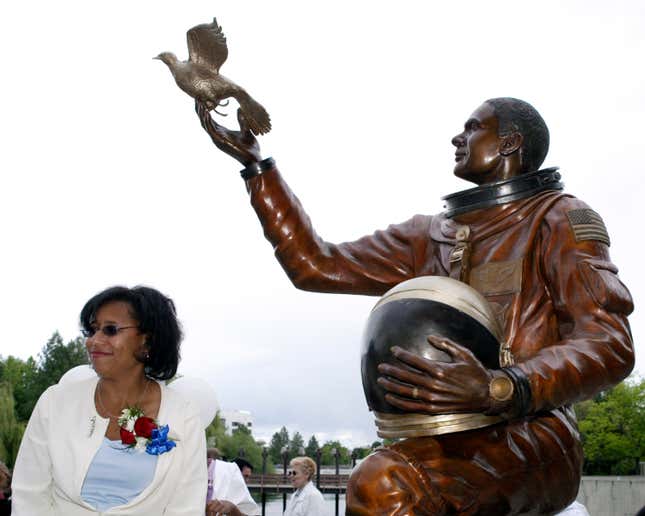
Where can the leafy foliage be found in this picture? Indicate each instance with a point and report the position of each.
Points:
(296, 445)
(239, 442)
(312, 447)
(279, 441)
(10, 429)
(56, 358)
(29, 378)
(612, 427)
(328, 458)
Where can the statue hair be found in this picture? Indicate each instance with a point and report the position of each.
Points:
(514, 115)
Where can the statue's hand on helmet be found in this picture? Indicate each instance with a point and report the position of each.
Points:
(432, 387)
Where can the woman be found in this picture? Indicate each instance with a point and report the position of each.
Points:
(306, 500)
(102, 445)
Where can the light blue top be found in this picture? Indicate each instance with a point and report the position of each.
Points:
(117, 475)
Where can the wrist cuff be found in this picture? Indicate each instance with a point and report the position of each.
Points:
(522, 390)
(256, 168)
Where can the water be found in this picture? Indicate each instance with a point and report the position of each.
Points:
(274, 506)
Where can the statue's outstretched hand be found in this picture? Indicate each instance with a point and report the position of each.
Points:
(435, 387)
(240, 145)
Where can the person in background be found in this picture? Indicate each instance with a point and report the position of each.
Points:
(120, 442)
(306, 499)
(213, 453)
(246, 468)
(227, 492)
(5, 490)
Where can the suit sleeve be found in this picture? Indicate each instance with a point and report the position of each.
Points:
(32, 481)
(595, 350)
(189, 495)
(370, 266)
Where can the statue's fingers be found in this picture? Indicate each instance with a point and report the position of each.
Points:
(401, 389)
(413, 359)
(403, 374)
(437, 391)
(456, 351)
(442, 405)
(409, 405)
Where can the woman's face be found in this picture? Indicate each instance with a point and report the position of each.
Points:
(298, 476)
(115, 354)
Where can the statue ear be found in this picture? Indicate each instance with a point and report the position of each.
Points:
(511, 143)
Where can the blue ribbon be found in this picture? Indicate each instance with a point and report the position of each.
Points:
(159, 442)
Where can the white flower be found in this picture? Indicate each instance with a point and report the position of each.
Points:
(129, 425)
(141, 443)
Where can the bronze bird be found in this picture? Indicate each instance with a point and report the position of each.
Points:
(200, 77)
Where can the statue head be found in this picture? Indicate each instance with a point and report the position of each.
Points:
(504, 137)
(167, 57)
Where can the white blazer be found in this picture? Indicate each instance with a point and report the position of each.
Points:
(306, 501)
(65, 432)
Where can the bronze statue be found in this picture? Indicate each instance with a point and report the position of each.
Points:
(200, 77)
(539, 256)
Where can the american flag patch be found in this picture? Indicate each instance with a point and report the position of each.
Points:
(587, 225)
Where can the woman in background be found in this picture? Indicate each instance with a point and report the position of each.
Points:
(306, 500)
(119, 443)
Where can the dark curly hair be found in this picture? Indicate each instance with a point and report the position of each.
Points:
(157, 319)
(517, 115)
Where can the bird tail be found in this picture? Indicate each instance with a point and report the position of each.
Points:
(256, 116)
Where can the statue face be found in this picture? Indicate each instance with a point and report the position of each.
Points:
(478, 154)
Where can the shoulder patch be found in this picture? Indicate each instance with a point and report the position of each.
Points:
(588, 225)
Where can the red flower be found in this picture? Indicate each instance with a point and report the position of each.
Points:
(144, 426)
(127, 437)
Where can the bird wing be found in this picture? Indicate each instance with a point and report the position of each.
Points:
(207, 45)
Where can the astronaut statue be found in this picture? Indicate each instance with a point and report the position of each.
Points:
(539, 256)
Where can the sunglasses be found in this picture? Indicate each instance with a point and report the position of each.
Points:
(292, 473)
(109, 330)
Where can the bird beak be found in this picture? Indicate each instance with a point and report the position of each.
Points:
(156, 57)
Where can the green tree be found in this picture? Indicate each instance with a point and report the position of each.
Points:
(10, 429)
(312, 447)
(278, 441)
(327, 457)
(612, 427)
(242, 442)
(240, 439)
(216, 433)
(361, 452)
(22, 376)
(295, 445)
(29, 378)
(56, 358)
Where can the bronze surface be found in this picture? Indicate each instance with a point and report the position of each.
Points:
(564, 318)
(200, 77)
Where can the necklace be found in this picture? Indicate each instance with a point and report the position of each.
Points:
(105, 411)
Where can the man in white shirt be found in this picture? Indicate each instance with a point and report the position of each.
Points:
(227, 491)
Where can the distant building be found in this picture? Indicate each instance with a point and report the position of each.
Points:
(233, 419)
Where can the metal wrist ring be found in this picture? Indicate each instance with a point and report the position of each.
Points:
(501, 388)
(256, 168)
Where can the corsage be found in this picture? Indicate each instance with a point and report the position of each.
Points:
(144, 433)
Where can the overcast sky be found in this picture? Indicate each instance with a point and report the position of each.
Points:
(108, 178)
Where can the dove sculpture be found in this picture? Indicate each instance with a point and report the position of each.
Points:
(200, 77)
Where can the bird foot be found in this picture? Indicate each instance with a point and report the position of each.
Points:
(221, 104)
